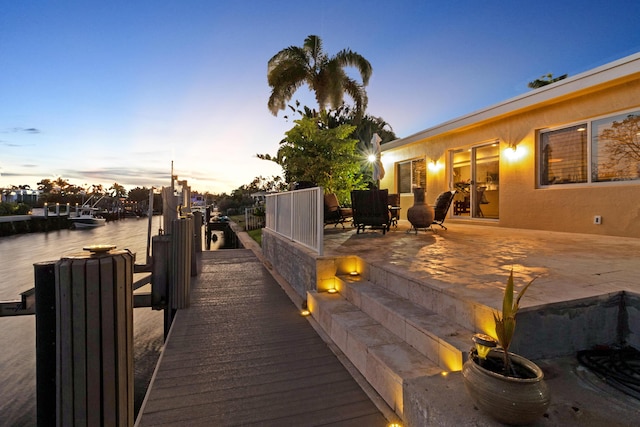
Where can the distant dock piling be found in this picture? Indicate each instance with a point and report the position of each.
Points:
(180, 263)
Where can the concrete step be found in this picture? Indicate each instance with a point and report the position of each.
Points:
(433, 294)
(383, 358)
(441, 340)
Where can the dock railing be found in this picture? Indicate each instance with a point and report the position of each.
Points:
(298, 215)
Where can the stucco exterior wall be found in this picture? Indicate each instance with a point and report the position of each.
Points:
(569, 208)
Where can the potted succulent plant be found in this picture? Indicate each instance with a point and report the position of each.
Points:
(508, 387)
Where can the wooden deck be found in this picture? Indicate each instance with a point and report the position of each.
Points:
(243, 355)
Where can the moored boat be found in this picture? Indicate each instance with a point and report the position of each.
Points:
(87, 219)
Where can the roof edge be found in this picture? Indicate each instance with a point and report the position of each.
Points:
(596, 76)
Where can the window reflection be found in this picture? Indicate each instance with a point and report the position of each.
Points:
(412, 174)
(616, 148)
(613, 155)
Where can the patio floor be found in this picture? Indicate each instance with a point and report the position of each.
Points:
(475, 260)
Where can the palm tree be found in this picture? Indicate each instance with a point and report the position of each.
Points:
(295, 66)
(117, 190)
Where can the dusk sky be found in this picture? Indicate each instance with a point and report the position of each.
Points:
(98, 92)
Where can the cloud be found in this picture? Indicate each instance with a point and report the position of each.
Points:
(127, 177)
(22, 130)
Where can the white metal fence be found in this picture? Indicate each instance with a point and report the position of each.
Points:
(254, 218)
(298, 215)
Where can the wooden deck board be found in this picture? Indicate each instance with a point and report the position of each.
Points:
(242, 355)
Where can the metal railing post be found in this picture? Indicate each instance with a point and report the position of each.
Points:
(320, 221)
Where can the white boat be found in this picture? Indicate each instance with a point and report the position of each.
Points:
(86, 219)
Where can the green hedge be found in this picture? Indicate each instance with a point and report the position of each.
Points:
(7, 208)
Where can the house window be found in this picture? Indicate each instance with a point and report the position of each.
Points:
(564, 156)
(615, 148)
(613, 154)
(411, 174)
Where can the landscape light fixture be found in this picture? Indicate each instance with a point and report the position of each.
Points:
(484, 343)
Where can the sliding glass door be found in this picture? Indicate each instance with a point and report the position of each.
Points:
(475, 175)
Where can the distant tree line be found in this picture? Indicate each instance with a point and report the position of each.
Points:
(62, 192)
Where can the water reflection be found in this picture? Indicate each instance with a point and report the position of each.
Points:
(217, 240)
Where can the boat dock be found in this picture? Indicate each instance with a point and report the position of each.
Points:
(243, 354)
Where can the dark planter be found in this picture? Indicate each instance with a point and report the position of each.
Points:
(514, 401)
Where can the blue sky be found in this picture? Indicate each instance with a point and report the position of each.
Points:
(101, 92)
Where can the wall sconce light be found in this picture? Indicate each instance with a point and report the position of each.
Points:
(434, 166)
(514, 152)
(354, 273)
(332, 290)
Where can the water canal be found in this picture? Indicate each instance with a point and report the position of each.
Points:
(17, 334)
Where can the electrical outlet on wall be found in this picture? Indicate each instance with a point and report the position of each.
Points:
(597, 220)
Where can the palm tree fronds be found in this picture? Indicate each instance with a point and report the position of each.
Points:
(313, 45)
(347, 58)
(293, 66)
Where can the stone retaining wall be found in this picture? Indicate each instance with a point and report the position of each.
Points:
(302, 268)
(562, 329)
(295, 263)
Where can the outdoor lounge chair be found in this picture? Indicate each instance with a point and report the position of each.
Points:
(334, 213)
(370, 209)
(441, 207)
(394, 208)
